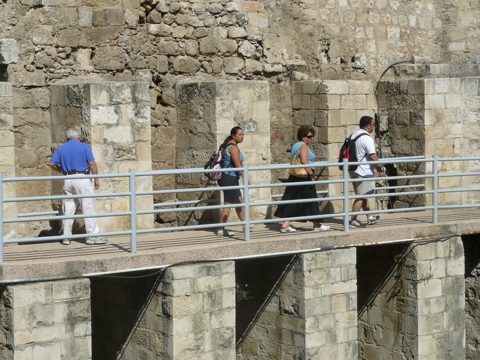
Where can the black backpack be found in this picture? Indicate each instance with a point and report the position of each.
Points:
(348, 151)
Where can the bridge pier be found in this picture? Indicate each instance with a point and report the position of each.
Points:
(412, 300)
(310, 309)
(370, 302)
(46, 320)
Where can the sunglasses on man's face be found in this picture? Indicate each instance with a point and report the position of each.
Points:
(310, 136)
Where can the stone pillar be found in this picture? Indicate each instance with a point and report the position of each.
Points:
(433, 110)
(7, 156)
(206, 113)
(334, 108)
(114, 119)
(192, 316)
(46, 321)
(312, 313)
(417, 310)
(8, 55)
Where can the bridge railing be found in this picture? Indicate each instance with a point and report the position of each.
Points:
(432, 177)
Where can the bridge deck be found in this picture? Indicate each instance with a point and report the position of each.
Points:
(52, 260)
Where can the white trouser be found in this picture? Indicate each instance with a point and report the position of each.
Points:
(78, 187)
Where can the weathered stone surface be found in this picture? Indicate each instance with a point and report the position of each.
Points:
(109, 58)
(8, 51)
(186, 64)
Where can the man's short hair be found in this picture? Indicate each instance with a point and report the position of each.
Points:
(365, 121)
(73, 133)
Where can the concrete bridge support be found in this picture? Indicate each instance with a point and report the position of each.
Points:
(376, 302)
(46, 321)
(310, 309)
(188, 312)
(412, 301)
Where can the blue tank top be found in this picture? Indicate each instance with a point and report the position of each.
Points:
(296, 151)
(227, 162)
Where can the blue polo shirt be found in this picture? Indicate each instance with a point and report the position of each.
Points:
(73, 156)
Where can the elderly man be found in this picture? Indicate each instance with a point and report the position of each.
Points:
(75, 158)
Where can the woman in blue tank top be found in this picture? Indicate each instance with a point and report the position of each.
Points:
(305, 135)
(232, 157)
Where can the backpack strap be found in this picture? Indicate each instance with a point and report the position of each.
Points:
(355, 140)
(225, 149)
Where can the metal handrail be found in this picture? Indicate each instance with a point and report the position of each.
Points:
(434, 176)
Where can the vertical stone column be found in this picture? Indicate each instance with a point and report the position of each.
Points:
(331, 304)
(192, 316)
(437, 284)
(312, 313)
(8, 55)
(334, 108)
(417, 309)
(47, 320)
(436, 114)
(206, 113)
(114, 119)
(7, 155)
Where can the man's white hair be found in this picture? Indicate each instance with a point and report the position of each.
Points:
(73, 133)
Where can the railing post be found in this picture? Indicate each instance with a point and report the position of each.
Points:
(435, 189)
(246, 201)
(1, 217)
(345, 195)
(133, 211)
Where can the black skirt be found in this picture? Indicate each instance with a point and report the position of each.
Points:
(296, 193)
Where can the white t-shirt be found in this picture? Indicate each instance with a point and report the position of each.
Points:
(365, 145)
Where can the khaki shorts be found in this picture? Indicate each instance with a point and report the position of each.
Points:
(365, 187)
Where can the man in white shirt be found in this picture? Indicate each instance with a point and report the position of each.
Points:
(365, 150)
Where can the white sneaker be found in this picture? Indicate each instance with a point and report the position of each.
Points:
(355, 223)
(251, 227)
(225, 233)
(321, 228)
(287, 230)
(66, 241)
(373, 219)
(96, 241)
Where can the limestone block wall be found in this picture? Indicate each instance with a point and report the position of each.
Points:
(334, 108)
(433, 114)
(206, 113)
(472, 310)
(7, 156)
(166, 42)
(312, 311)
(416, 307)
(402, 105)
(191, 316)
(46, 321)
(114, 119)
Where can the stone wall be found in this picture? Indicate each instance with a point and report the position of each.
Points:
(165, 42)
(114, 118)
(415, 305)
(207, 111)
(186, 312)
(426, 111)
(310, 310)
(46, 321)
(472, 283)
(7, 156)
(334, 108)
